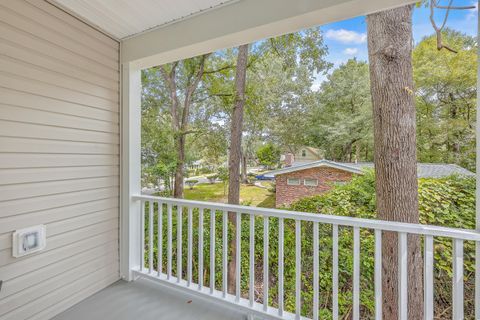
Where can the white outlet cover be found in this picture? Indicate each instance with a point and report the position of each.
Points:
(28, 240)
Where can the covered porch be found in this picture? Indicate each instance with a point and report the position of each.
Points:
(157, 267)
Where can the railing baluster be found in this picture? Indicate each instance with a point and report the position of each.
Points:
(169, 241)
(200, 248)
(477, 279)
(403, 276)
(251, 271)
(315, 271)
(142, 235)
(458, 237)
(238, 235)
(266, 237)
(378, 274)
(356, 273)
(298, 268)
(428, 277)
(212, 250)
(160, 238)
(150, 236)
(189, 244)
(179, 242)
(225, 253)
(280, 265)
(335, 272)
(457, 290)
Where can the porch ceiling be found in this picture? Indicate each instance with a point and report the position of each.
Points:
(124, 18)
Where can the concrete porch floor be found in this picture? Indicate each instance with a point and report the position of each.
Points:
(145, 300)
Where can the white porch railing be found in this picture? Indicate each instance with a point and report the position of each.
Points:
(160, 217)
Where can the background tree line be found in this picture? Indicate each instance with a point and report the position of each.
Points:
(283, 112)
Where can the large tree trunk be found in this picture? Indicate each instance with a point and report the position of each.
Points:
(390, 49)
(179, 169)
(244, 177)
(236, 152)
(180, 116)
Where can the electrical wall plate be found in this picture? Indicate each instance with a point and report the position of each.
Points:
(28, 240)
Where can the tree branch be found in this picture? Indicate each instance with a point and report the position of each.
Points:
(438, 30)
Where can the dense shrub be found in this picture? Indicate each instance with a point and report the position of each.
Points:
(447, 202)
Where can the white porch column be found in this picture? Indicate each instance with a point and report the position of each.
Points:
(477, 191)
(130, 171)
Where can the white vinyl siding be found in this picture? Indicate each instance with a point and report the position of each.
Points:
(293, 181)
(310, 182)
(59, 158)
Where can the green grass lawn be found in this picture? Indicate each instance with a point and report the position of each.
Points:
(251, 195)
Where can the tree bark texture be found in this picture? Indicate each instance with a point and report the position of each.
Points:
(390, 56)
(180, 115)
(244, 177)
(235, 154)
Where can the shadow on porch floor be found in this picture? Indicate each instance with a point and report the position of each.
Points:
(145, 300)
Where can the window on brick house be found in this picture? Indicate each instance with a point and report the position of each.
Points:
(310, 182)
(304, 153)
(293, 181)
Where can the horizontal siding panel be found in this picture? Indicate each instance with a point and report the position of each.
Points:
(13, 50)
(53, 23)
(67, 225)
(33, 72)
(59, 157)
(74, 23)
(38, 160)
(13, 113)
(20, 83)
(36, 189)
(34, 277)
(11, 223)
(16, 207)
(14, 176)
(61, 240)
(31, 27)
(109, 272)
(40, 131)
(62, 279)
(54, 106)
(8, 144)
(30, 42)
(39, 261)
(19, 21)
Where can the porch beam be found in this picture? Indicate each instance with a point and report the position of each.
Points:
(244, 21)
(477, 191)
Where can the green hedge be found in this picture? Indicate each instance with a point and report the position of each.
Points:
(447, 202)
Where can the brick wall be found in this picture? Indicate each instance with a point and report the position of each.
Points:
(326, 176)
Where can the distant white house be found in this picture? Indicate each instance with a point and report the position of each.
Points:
(301, 156)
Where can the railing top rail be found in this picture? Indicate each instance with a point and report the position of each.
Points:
(412, 228)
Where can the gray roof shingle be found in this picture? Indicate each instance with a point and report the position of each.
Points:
(424, 170)
(428, 170)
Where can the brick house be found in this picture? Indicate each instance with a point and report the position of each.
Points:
(309, 179)
(296, 182)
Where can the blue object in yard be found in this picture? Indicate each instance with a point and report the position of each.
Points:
(262, 177)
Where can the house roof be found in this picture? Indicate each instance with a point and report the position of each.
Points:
(315, 164)
(312, 150)
(424, 170)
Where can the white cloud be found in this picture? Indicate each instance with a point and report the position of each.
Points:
(351, 51)
(346, 36)
(473, 13)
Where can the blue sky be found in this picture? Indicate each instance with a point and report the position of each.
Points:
(347, 39)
